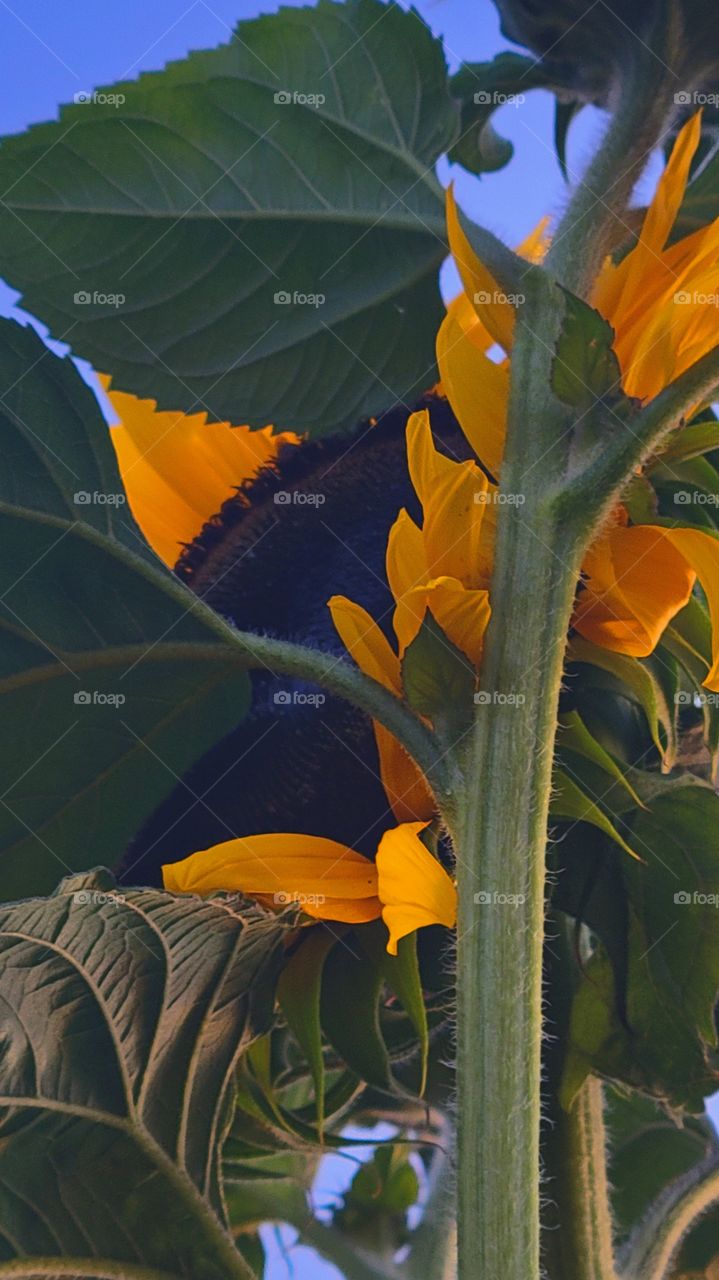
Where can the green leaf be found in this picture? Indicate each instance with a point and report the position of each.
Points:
(267, 210)
(481, 88)
(641, 683)
(665, 1043)
(351, 994)
(564, 113)
(298, 992)
(647, 1151)
(570, 803)
(402, 975)
(585, 368)
(575, 740)
(437, 679)
(111, 1143)
(692, 441)
(112, 678)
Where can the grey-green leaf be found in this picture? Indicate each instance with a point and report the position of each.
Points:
(111, 1141)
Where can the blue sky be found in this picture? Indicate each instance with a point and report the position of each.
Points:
(48, 52)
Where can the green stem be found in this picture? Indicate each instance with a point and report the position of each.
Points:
(75, 1268)
(579, 1246)
(502, 829)
(643, 109)
(653, 1248)
(629, 444)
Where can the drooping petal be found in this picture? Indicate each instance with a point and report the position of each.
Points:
(413, 887)
(463, 615)
(636, 581)
(366, 643)
(452, 496)
(324, 877)
(491, 304)
(701, 550)
(409, 797)
(178, 469)
(477, 389)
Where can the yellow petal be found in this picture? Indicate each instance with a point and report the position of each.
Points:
(701, 551)
(452, 496)
(178, 469)
(327, 879)
(365, 642)
(462, 614)
(407, 792)
(477, 389)
(636, 581)
(414, 888)
(491, 304)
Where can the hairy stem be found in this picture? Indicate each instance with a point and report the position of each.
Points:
(580, 1244)
(643, 108)
(653, 1247)
(502, 831)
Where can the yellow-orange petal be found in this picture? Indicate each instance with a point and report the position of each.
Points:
(477, 389)
(407, 792)
(452, 496)
(178, 469)
(462, 613)
(491, 304)
(365, 642)
(701, 550)
(414, 888)
(636, 581)
(326, 878)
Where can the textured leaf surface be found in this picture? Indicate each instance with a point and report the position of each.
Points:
(126, 1013)
(222, 193)
(111, 685)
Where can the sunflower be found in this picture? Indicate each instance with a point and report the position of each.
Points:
(636, 577)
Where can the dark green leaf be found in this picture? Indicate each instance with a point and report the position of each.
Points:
(438, 680)
(401, 973)
(666, 1045)
(111, 1143)
(111, 685)
(298, 992)
(351, 994)
(267, 212)
(585, 368)
(648, 1150)
(481, 88)
(641, 683)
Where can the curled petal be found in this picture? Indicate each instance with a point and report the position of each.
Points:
(493, 308)
(414, 888)
(367, 644)
(477, 389)
(636, 581)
